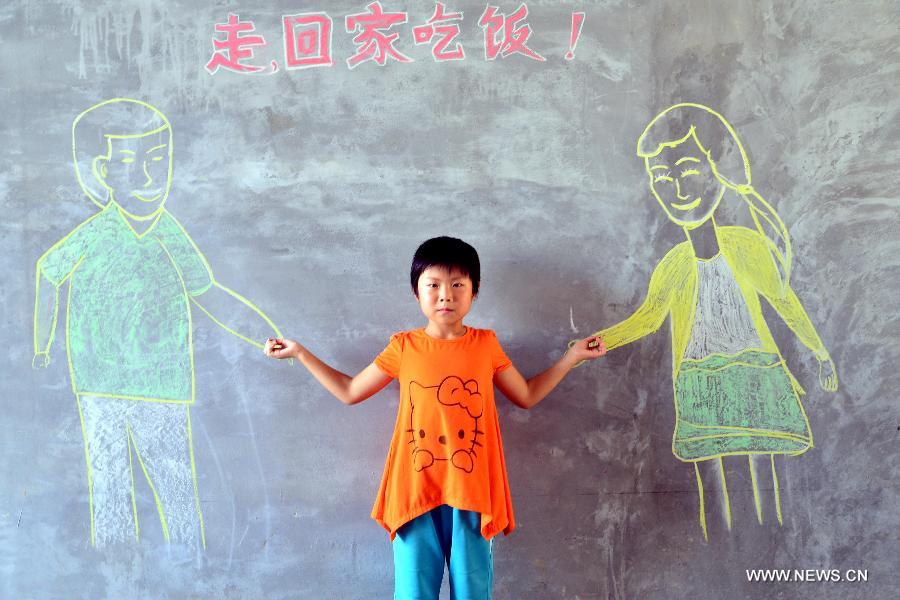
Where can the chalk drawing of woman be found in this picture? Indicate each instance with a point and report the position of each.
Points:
(734, 395)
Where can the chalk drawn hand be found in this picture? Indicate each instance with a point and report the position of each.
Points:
(41, 360)
(828, 378)
(589, 348)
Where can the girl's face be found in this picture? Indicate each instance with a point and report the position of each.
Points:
(683, 182)
(445, 297)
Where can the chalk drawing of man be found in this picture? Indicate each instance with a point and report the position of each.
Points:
(134, 276)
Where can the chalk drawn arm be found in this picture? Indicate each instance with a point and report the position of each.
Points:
(53, 269)
(46, 313)
(647, 319)
(753, 261)
(788, 306)
(228, 309)
(235, 314)
(649, 316)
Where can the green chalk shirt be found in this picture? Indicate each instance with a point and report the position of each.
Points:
(128, 326)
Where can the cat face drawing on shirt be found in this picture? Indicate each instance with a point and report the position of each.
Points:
(444, 423)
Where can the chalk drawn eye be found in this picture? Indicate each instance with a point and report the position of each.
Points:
(662, 178)
(156, 158)
(421, 433)
(127, 160)
(461, 434)
(690, 172)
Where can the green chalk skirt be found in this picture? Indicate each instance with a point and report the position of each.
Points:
(742, 404)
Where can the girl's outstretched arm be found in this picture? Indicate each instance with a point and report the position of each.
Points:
(526, 393)
(347, 389)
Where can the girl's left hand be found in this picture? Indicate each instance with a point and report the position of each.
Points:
(828, 378)
(590, 348)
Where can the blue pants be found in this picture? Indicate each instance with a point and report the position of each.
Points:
(444, 535)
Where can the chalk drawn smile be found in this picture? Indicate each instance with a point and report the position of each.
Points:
(688, 206)
(153, 198)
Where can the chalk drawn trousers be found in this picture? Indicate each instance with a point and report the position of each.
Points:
(125, 438)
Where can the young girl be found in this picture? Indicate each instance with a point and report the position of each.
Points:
(734, 394)
(444, 485)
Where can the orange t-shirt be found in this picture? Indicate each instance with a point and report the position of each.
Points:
(446, 447)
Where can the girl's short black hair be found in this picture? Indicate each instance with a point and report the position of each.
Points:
(450, 253)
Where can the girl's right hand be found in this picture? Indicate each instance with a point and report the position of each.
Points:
(282, 348)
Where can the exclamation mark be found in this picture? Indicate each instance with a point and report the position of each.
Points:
(577, 22)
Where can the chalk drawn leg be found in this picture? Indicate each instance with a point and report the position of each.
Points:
(777, 491)
(725, 501)
(107, 451)
(702, 502)
(161, 438)
(756, 500)
(125, 439)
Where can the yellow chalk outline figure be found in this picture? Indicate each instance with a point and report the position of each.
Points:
(102, 194)
(760, 262)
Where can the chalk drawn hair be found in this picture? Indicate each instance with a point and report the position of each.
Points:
(117, 117)
(729, 163)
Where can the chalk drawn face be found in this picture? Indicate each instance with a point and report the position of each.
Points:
(445, 296)
(444, 423)
(683, 182)
(137, 172)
